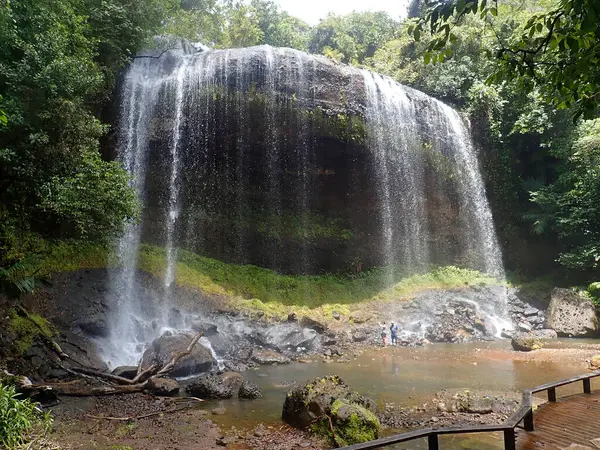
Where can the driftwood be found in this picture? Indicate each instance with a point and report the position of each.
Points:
(78, 389)
(143, 416)
(143, 376)
(111, 384)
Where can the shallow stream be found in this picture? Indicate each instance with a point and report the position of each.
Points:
(409, 377)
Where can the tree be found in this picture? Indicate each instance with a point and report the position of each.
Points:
(571, 205)
(278, 27)
(242, 29)
(556, 50)
(55, 71)
(353, 38)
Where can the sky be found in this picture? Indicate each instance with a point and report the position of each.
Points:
(311, 11)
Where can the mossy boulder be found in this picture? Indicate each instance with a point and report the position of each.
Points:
(328, 402)
(595, 362)
(526, 342)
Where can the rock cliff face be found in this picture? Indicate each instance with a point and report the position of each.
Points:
(289, 161)
(571, 315)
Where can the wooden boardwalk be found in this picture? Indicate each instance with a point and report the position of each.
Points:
(569, 420)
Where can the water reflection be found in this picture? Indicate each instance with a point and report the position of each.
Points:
(407, 377)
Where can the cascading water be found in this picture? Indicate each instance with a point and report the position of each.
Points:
(284, 160)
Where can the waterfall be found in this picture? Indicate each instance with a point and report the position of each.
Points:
(284, 160)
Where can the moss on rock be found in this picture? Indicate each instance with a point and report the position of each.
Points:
(328, 402)
(28, 329)
(353, 423)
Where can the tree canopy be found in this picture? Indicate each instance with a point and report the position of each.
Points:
(521, 70)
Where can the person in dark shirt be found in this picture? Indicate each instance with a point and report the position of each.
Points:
(394, 333)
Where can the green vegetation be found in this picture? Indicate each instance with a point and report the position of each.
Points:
(28, 329)
(20, 420)
(59, 64)
(275, 294)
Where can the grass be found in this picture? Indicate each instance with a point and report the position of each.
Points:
(275, 294)
(255, 288)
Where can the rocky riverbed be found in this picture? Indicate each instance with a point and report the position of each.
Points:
(447, 342)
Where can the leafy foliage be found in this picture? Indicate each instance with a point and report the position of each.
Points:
(556, 50)
(18, 418)
(571, 205)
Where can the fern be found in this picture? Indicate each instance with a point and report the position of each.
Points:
(20, 278)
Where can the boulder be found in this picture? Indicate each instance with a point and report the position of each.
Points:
(526, 342)
(95, 327)
(524, 326)
(213, 386)
(307, 322)
(570, 314)
(544, 334)
(162, 350)
(359, 336)
(209, 329)
(352, 415)
(336, 315)
(287, 337)
(595, 362)
(128, 372)
(264, 357)
(162, 387)
(249, 391)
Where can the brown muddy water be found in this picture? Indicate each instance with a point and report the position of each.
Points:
(409, 377)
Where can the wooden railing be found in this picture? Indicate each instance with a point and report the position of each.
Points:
(523, 415)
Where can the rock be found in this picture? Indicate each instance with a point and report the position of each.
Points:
(352, 415)
(224, 441)
(209, 329)
(530, 311)
(507, 334)
(264, 357)
(95, 327)
(292, 317)
(595, 362)
(212, 386)
(476, 402)
(525, 343)
(249, 391)
(307, 322)
(336, 315)
(571, 315)
(359, 317)
(544, 334)
(218, 411)
(58, 374)
(163, 387)
(162, 350)
(128, 372)
(359, 336)
(524, 326)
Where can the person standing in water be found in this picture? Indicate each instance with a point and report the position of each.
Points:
(383, 332)
(394, 332)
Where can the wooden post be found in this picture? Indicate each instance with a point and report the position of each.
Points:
(432, 442)
(528, 421)
(509, 439)
(552, 394)
(587, 386)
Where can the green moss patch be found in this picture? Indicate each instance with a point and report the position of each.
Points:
(28, 329)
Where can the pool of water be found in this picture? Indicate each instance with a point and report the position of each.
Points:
(409, 377)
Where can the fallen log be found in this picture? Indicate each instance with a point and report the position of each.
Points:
(77, 389)
(109, 384)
